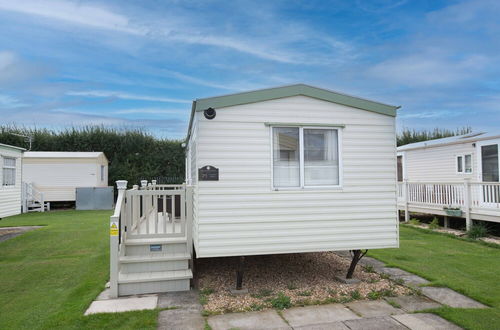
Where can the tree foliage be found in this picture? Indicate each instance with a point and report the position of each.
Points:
(407, 135)
(133, 154)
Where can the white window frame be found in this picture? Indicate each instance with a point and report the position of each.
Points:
(302, 186)
(463, 164)
(10, 186)
(401, 154)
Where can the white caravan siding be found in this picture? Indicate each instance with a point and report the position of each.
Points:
(438, 163)
(193, 175)
(241, 215)
(10, 196)
(58, 177)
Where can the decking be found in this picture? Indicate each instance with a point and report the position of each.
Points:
(150, 239)
(469, 200)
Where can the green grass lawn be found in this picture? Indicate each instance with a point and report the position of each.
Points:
(49, 276)
(467, 267)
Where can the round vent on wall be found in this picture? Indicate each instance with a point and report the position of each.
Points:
(209, 113)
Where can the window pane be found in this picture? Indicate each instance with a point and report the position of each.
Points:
(489, 159)
(460, 168)
(321, 164)
(286, 171)
(400, 168)
(9, 177)
(11, 162)
(468, 163)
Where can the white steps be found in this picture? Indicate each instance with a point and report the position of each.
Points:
(151, 265)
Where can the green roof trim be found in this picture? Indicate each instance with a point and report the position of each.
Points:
(11, 147)
(288, 91)
(294, 90)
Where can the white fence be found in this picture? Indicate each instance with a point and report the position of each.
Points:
(466, 196)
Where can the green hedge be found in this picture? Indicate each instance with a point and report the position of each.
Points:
(133, 154)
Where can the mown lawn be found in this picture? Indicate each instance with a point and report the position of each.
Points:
(49, 276)
(467, 267)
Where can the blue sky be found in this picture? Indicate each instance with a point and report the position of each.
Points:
(141, 63)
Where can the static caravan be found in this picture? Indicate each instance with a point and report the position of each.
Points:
(10, 187)
(456, 176)
(57, 174)
(283, 170)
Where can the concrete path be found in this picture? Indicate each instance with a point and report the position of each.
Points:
(182, 310)
(362, 315)
(11, 232)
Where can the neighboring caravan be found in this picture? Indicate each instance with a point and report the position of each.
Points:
(456, 176)
(283, 170)
(10, 180)
(58, 174)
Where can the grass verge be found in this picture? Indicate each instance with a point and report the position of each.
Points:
(463, 265)
(49, 276)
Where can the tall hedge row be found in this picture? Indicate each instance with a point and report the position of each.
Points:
(133, 154)
(407, 135)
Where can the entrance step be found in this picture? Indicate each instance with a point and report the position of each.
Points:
(154, 263)
(154, 282)
(155, 246)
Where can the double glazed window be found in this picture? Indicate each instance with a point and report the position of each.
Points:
(8, 171)
(305, 157)
(464, 164)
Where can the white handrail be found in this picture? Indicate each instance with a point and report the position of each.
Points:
(467, 196)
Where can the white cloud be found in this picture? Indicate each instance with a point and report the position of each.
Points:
(125, 96)
(189, 30)
(72, 12)
(13, 70)
(9, 102)
(153, 111)
(429, 69)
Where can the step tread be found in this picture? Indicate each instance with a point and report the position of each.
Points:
(156, 257)
(161, 240)
(155, 276)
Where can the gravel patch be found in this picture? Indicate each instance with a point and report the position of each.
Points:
(306, 278)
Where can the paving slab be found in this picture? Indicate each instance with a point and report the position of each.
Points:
(451, 298)
(104, 295)
(315, 315)
(122, 305)
(373, 308)
(246, 321)
(414, 303)
(375, 323)
(180, 319)
(425, 321)
(394, 271)
(185, 300)
(368, 261)
(324, 326)
(412, 280)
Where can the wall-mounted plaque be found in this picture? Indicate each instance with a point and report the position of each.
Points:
(208, 173)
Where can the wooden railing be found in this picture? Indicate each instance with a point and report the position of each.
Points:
(156, 211)
(465, 196)
(151, 211)
(31, 194)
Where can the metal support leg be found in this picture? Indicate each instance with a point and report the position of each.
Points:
(239, 273)
(446, 222)
(356, 257)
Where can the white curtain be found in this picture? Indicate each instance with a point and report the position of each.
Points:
(321, 161)
(286, 157)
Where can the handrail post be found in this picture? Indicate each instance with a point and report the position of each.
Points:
(189, 219)
(114, 240)
(467, 204)
(42, 202)
(405, 189)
